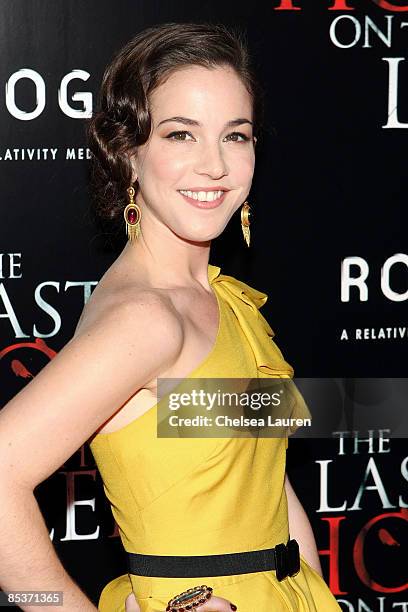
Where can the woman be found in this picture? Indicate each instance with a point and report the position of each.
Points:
(174, 150)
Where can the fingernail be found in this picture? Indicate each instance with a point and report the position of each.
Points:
(233, 607)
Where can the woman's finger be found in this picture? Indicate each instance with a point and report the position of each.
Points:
(131, 604)
(216, 604)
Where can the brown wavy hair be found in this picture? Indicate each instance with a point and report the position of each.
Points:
(122, 121)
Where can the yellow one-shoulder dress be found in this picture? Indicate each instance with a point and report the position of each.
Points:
(208, 496)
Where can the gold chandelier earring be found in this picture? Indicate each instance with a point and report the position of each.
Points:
(132, 214)
(245, 222)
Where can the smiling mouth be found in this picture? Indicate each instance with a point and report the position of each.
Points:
(203, 196)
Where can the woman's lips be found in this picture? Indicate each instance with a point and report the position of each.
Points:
(199, 204)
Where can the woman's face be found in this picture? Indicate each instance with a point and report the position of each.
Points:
(201, 140)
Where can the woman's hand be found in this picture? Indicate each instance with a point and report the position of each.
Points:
(214, 604)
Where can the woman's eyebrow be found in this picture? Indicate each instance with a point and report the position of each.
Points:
(187, 121)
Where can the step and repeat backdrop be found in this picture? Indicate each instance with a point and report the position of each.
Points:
(328, 245)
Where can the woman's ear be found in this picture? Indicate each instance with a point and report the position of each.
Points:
(255, 140)
(134, 171)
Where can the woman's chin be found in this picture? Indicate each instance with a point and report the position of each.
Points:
(203, 235)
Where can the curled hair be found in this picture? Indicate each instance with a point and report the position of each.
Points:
(122, 121)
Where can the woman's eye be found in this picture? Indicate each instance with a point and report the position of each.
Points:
(173, 135)
(244, 138)
(181, 136)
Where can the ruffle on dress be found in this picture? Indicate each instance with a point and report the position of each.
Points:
(245, 301)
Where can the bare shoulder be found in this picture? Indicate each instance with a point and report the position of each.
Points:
(134, 309)
(136, 324)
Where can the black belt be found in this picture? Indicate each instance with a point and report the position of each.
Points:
(284, 558)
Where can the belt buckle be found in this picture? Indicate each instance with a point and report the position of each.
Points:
(292, 548)
(281, 561)
(287, 559)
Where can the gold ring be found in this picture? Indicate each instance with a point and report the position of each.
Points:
(190, 599)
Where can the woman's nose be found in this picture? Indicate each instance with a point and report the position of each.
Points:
(212, 162)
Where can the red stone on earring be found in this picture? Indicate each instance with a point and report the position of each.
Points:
(132, 216)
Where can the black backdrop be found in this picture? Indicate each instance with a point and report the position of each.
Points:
(329, 203)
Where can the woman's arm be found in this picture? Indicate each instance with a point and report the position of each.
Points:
(300, 528)
(43, 425)
(28, 559)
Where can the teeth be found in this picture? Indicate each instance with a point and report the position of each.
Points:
(203, 196)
